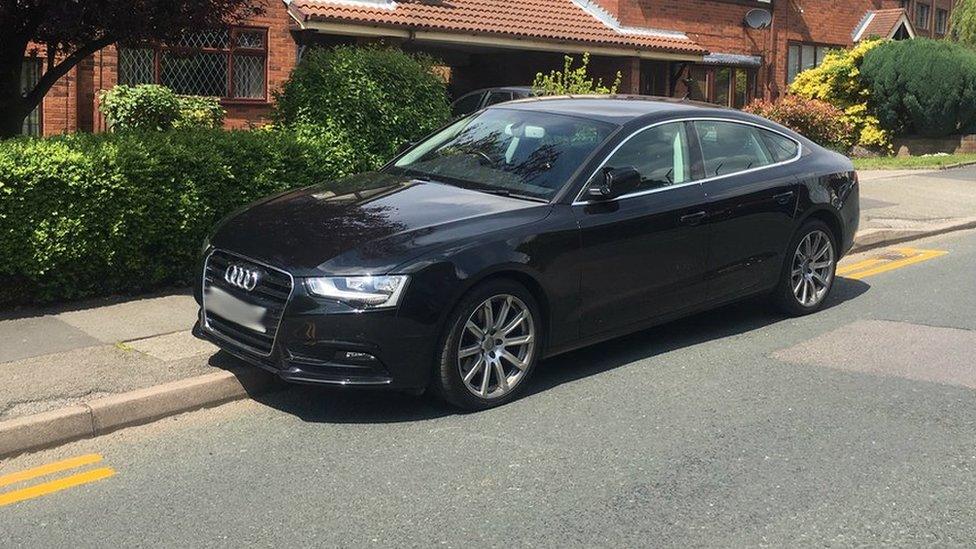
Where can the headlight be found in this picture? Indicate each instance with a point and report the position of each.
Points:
(368, 292)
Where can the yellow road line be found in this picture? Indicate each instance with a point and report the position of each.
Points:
(912, 257)
(55, 467)
(57, 485)
(845, 269)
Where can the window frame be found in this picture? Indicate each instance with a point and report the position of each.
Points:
(928, 15)
(229, 52)
(38, 111)
(817, 46)
(945, 22)
(710, 88)
(693, 141)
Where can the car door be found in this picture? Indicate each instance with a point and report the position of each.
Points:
(643, 253)
(752, 196)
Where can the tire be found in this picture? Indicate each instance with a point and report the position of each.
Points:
(464, 356)
(819, 275)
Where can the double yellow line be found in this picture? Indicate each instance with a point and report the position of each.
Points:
(56, 485)
(877, 265)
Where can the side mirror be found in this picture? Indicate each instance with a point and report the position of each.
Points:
(616, 183)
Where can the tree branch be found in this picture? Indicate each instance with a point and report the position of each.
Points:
(55, 73)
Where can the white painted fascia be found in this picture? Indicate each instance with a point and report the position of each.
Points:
(611, 21)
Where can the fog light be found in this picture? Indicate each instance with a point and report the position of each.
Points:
(355, 356)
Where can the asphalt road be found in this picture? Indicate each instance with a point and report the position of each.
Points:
(856, 426)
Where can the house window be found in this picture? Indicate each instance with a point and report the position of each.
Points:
(227, 63)
(802, 57)
(30, 73)
(941, 21)
(922, 15)
(726, 86)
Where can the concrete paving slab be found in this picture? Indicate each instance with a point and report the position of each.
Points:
(176, 346)
(39, 384)
(918, 197)
(135, 319)
(39, 335)
(899, 349)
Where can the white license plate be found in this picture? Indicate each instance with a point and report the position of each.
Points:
(233, 309)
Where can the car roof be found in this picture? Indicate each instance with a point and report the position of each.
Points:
(617, 109)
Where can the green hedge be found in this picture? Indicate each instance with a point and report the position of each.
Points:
(380, 98)
(922, 87)
(89, 215)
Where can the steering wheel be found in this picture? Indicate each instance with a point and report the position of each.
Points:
(483, 158)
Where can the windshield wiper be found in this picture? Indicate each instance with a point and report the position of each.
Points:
(510, 194)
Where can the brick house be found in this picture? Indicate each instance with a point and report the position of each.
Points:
(723, 51)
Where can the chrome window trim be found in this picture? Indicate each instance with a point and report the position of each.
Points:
(579, 202)
(203, 303)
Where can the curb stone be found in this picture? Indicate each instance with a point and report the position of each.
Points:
(876, 238)
(107, 414)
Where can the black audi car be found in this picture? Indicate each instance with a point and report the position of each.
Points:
(524, 231)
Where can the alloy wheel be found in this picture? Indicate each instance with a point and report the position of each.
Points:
(812, 270)
(496, 346)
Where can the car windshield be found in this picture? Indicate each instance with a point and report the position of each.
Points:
(529, 154)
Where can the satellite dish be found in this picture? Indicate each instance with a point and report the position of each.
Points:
(759, 19)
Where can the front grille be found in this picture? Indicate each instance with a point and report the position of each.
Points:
(271, 292)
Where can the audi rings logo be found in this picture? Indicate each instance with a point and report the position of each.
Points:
(242, 277)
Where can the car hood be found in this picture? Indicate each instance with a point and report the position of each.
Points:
(366, 224)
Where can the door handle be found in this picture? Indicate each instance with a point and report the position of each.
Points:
(783, 198)
(693, 218)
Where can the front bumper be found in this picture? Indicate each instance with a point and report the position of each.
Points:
(313, 341)
(299, 357)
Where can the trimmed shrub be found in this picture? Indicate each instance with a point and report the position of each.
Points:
(89, 215)
(158, 108)
(200, 112)
(838, 81)
(922, 87)
(573, 81)
(380, 98)
(817, 120)
(146, 107)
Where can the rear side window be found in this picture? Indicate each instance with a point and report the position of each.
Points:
(495, 98)
(659, 154)
(728, 147)
(467, 104)
(782, 148)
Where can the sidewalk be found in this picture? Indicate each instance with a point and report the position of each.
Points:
(88, 353)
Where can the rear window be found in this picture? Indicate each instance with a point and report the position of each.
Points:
(730, 147)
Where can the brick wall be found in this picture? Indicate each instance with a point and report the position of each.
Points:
(72, 104)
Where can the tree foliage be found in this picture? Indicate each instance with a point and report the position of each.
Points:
(923, 87)
(573, 81)
(838, 81)
(962, 24)
(64, 32)
(379, 97)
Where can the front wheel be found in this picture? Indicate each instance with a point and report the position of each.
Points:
(491, 347)
(809, 271)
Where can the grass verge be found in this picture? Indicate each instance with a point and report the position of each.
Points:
(912, 162)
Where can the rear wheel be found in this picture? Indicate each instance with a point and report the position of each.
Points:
(809, 271)
(491, 347)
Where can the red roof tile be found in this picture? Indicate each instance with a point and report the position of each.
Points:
(881, 24)
(546, 20)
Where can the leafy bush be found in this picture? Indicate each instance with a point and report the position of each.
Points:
(922, 87)
(146, 107)
(817, 120)
(379, 98)
(200, 112)
(838, 81)
(573, 81)
(86, 215)
(158, 108)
